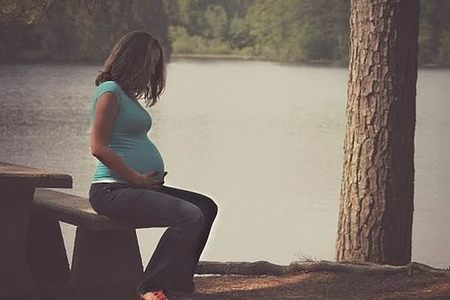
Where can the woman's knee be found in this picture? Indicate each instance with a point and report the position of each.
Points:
(192, 214)
(207, 205)
(210, 207)
(214, 208)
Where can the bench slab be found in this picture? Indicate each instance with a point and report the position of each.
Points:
(17, 174)
(94, 263)
(74, 210)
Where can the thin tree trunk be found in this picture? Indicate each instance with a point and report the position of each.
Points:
(376, 206)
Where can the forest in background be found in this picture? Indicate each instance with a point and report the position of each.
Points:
(308, 31)
(74, 30)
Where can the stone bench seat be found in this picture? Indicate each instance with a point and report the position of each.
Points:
(74, 210)
(106, 252)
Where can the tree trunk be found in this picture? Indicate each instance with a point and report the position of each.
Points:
(376, 206)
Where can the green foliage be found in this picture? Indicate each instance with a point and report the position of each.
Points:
(444, 48)
(79, 30)
(216, 22)
(291, 30)
(24, 11)
(183, 43)
(433, 32)
(284, 30)
(239, 34)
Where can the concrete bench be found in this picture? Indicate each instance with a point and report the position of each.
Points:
(106, 252)
(17, 185)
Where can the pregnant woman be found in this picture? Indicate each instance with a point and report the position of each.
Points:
(128, 183)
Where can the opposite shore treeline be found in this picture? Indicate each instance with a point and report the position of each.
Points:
(306, 31)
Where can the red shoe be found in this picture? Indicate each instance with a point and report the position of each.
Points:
(153, 295)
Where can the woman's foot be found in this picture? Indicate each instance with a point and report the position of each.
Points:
(153, 295)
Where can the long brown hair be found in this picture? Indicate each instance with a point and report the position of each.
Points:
(130, 65)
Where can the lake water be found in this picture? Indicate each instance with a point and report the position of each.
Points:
(263, 139)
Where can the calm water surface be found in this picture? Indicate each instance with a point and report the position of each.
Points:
(262, 139)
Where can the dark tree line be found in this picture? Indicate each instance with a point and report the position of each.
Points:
(288, 30)
(306, 30)
(76, 30)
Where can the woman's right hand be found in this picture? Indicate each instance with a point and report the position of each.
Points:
(149, 180)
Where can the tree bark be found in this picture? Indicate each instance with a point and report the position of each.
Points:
(376, 205)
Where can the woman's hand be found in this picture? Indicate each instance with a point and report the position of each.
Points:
(148, 180)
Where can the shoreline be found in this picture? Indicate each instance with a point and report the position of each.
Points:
(210, 57)
(232, 57)
(325, 63)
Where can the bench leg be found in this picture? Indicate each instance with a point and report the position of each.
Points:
(106, 258)
(46, 253)
(15, 209)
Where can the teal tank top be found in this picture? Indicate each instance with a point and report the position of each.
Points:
(128, 136)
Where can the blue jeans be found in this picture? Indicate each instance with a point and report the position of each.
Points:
(188, 216)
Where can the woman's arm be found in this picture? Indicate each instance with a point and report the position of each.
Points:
(105, 112)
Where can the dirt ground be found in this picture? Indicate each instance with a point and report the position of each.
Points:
(324, 285)
(312, 285)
